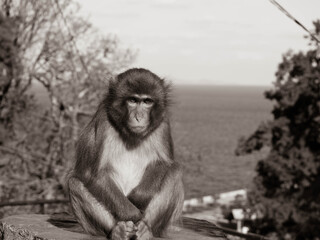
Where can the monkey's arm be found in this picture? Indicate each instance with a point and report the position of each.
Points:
(98, 182)
(108, 194)
(151, 183)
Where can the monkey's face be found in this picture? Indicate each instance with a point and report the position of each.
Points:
(139, 107)
(136, 104)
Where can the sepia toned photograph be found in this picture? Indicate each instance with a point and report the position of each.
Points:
(159, 119)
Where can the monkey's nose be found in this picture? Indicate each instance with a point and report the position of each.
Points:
(139, 117)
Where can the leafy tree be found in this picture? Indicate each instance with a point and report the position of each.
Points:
(47, 45)
(287, 185)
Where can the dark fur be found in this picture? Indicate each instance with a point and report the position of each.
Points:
(159, 176)
(136, 81)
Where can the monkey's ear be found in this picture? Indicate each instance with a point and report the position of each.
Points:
(167, 85)
(112, 82)
(112, 86)
(168, 93)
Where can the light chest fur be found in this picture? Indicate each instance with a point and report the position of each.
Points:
(128, 166)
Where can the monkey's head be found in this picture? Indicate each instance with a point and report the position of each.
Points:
(137, 103)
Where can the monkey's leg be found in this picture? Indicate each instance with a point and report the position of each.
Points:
(160, 196)
(166, 206)
(92, 215)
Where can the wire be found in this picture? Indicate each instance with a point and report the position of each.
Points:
(72, 39)
(294, 19)
(34, 202)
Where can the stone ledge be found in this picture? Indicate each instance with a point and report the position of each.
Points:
(63, 226)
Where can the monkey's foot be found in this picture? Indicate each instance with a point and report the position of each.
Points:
(143, 232)
(123, 231)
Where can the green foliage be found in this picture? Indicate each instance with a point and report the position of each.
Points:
(287, 184)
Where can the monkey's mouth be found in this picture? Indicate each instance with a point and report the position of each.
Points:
(137, 129)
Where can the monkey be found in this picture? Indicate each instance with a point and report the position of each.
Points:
(125, 183)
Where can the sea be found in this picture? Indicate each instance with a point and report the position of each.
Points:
(206, 124)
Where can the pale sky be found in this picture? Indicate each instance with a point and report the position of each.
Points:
(225, 42)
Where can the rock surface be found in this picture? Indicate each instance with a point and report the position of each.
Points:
(63, 226)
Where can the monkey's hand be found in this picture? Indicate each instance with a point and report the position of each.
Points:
(143, 232)
(123, 231)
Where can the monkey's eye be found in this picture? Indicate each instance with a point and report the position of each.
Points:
(148, 101)
(132, 100)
